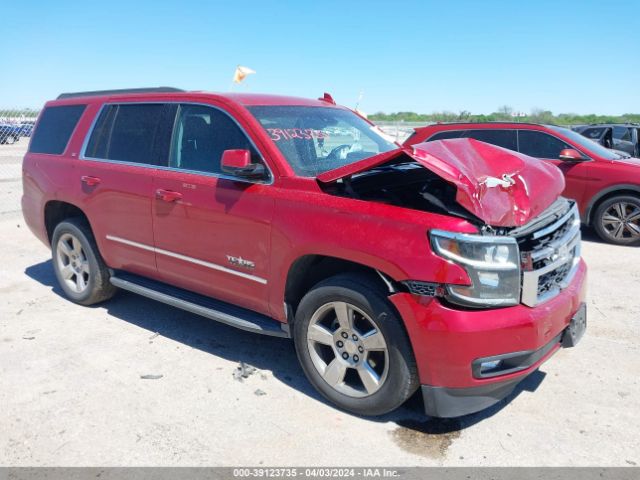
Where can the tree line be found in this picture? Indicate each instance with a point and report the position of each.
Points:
(506, 113)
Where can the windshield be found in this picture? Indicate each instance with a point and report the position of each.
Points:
(315, 140)
(584, 142)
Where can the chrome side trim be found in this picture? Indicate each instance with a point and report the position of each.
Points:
(131, 243)
(185, 258)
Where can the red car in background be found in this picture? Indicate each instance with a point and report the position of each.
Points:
(605, 184)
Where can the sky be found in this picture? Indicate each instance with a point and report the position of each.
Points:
(422, 56)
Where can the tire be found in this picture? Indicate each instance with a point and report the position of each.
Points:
(375, 341)
(78, 265)
(617, 220)
(10, 140)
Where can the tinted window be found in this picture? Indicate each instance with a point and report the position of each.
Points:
(622, 133)
(127, 133)
(593, 133)
(54, 129)
(447, 134)
(201, 135)
(584, 143)
(540, 145)
(501, 138)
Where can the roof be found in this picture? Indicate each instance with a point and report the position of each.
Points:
(267, 99)
(479, 124)
(100, 93)
(623, 124)
(246, 99)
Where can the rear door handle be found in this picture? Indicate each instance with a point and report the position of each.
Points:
(168, 195)
(90, 181)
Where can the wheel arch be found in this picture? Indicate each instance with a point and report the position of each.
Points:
(56, 211)
(310, 269)
(615, 190)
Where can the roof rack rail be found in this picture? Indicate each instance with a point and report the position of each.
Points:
(118, 92)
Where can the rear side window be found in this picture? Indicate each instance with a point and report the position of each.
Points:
(128, 133)
(55, 128)
(501, 138)
(446, 135)
(622, 133)
(593, 133)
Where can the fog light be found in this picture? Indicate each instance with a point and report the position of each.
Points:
(488, 366)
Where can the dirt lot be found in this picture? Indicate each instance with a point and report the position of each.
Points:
(71, 391)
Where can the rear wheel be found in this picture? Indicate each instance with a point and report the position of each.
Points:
(353, 347)
(78, 265)
(10, 140)
(617, 220)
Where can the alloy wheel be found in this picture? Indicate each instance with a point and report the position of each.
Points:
(348, 349)
(621, 221)
(73, 263)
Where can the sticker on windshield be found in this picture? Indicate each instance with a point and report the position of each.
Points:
(291, 133)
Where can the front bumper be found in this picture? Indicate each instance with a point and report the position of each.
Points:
(447, 341)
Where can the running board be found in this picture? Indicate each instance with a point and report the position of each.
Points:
(201, 305)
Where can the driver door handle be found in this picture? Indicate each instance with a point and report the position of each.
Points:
(90, 181)
(168, 195)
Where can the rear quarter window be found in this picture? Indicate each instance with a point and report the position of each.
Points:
(54, 129)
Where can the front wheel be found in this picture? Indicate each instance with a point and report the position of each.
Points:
(617, 220)
(353, 347)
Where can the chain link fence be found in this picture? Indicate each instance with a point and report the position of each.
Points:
(400, 131)
(16, 126)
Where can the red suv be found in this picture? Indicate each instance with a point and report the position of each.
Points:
(453, 266)
(606, 184)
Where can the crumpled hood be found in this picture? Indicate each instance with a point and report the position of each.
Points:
(501, 187)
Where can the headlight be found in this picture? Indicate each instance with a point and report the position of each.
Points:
(492, 263)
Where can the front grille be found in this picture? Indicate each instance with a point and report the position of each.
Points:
(550, 254)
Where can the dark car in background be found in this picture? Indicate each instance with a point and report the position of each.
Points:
(9, 133)
(618, 136)
(605, 184)
(26, 129)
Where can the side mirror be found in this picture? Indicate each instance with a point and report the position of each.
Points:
(571, 155)
(238, 163)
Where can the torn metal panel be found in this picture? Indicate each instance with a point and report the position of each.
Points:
(499, 186)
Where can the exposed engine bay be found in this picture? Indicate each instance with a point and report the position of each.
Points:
(404, 183)
(485, 184)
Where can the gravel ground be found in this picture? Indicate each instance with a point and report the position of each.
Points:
(72, 390)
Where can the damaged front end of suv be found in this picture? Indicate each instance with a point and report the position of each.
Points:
(523, 260)
(479, 251)
(526, 232)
